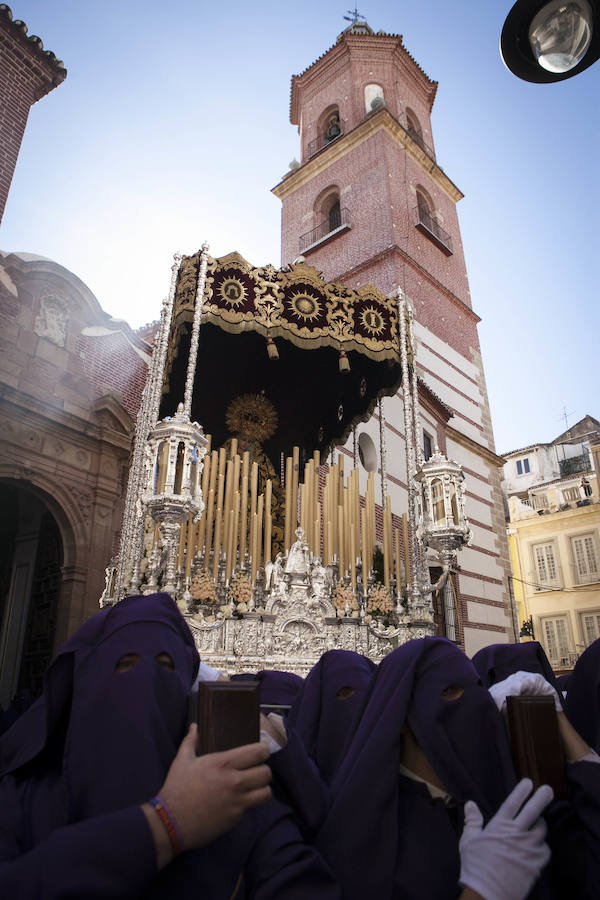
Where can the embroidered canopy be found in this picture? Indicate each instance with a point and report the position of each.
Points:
(321, 352)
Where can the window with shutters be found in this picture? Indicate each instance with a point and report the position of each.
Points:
(590, 626)
(555, 633)
(585, 559)
(545, 567)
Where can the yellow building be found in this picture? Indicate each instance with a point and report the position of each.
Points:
(554, 540)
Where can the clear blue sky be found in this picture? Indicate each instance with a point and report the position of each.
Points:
(172, 126)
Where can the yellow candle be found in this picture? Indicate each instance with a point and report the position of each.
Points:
(342, 561)
(295, 476)
(259, 530)
(268, 521)
(288, 503)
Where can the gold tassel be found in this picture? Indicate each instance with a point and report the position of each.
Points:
(344, 362)
(272, 348)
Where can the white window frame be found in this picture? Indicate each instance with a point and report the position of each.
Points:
(557, 640)
(586, 558)
(521, 462)
(590, 631)
(544, 567)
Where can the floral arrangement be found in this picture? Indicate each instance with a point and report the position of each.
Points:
(342, 595)
(240, 589)
(203, 588)
(380, 602)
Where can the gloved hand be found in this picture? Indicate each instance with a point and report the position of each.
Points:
(523, 684)
(504, 860)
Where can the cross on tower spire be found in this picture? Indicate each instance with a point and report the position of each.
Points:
(354, 16)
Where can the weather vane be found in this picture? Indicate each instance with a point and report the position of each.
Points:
(354, 16)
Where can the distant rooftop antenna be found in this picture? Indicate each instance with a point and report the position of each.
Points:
(354, 16)
(565, 415)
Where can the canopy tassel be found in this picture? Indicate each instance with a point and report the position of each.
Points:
(272, 348)
(344, 362)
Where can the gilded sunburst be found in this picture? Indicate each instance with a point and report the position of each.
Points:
(232, 292)
(305, 307)
(252, 416)
(372, 320)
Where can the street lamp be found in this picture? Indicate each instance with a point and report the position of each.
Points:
(549, 40)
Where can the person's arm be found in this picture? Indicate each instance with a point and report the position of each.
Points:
(117, 855)
(574, 745)
(207, 795)
(283, 865)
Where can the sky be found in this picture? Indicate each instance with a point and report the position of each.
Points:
(173, 125)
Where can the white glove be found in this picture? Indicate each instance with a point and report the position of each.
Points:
(205, 673)
(273, 732)
(503, 860)
(523, 684)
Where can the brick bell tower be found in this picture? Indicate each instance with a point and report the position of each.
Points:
(369, 203)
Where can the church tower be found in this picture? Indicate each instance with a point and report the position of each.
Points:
(369, 203)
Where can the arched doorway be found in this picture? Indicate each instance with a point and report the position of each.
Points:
(31, 558)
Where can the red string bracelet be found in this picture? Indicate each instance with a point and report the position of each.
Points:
(170, 824)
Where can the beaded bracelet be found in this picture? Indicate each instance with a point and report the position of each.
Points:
(170, 824)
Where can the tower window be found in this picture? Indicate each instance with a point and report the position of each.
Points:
(329, 127)
(427, 450)
(374, 98)
(330, 217)
(428, 224)
(413, 127)
(335, 216)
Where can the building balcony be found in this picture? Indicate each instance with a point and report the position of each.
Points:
(325, 230)
(432, 229)
(324, 140)
(574, 464)
(418, 139)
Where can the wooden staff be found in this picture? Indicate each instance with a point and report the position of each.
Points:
(288, 504)
(233, 448)
(244, 506)
(317, 529)
(268, 520)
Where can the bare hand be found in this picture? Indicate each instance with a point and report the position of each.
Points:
(208, 795)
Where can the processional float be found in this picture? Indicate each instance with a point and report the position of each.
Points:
(265, 541)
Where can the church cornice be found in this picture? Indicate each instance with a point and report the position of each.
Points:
(478, 449)
(352, 273)
(350, 43)
(381, 120)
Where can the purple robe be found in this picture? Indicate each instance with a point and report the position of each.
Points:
(385, 835)
(498, 661)
(79, 763)
(583, 696)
